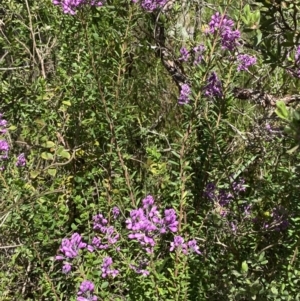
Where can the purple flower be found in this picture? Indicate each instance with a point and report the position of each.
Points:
(224, 197)
(245, 61)
(71, 247)
(140, 268)
(151, 5)
(223, 26)
(96, 242)
(233, 226)
(145, 224)
(192, 244)
(198, 54)
(100, 223)
(213, 87)
(4, 148)
(70, 6)
(218, 22)
(106, 270)
(297, 55)
(148, 201)
(184, 96)
(185, 54)
(111, 235)
(66, 268)
(247, 210)
(295, 72)
(3, 125)
(116, 212)
(85, 292)
(178, 243)
(210, 191)
(170, 220)
(239, 186)
(279, 216)
(21, 160)
(229, 39)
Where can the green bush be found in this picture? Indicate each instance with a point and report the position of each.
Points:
(155, 165)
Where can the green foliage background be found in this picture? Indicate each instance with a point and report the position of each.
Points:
(91, 105)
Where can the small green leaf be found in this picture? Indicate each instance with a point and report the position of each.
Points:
(247, 10)
(258, 36)
(65, 154)
(104, 284)
(73, 227)
(244, 267)
(261, 256)
(12, 128)
(49, 144)
(274, 290)
(67, 103)
(52, 172)
(47, 156)
(34, 174)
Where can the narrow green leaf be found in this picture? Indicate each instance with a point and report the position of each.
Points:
(67, 103)
(292, 150)
(281, 110)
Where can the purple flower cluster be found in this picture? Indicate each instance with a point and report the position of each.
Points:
(140, 268)
(223, 197)
(110, 236)
(70, 249)
(278, 220)
(213, 87)
(222, 25)
(185, 54)
(21, 160)
(4, 146)
(3, 125)
(151, 5)
(184, 96)
(295, 71)
(279, 216)
(198, 50)
(86, 291)
(70, 6)
(115, 212)
(245, 61)
(297, 55)
(185, 248)
(239, 186)
(106, 268)
(146, 224)
(4, 149)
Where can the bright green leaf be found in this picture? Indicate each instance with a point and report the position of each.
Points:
(52, 172)
(244, 267)
(47, 156)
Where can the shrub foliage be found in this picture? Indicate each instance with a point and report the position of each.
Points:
(149, 150)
